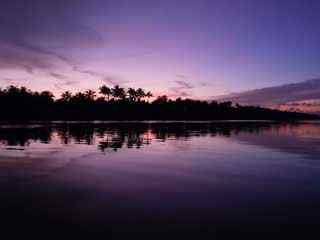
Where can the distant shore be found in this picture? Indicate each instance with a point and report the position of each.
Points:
(119, 104)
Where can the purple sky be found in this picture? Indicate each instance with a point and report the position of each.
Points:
(194, 48)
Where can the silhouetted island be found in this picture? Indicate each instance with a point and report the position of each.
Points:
(117, 103)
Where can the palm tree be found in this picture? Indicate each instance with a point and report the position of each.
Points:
(118, 92)
(149, 95)
(132, 94)
(66, 96)
(226, 105)
(106, 91)
(90, 95)
(47, 96)
(79, 97)
(12, 90)
(140, 93)
(161, 99)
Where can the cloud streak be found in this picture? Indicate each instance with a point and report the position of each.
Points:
(182, 88)
(184, 84)
(288, 96)
(31, 42)
(58, 75)
(105, 78)
(305, 90)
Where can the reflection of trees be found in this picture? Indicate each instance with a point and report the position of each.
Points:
(117, 138)
(23, 136)
(117, 135)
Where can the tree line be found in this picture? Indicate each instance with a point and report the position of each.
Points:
(118, 103)
(107, 93)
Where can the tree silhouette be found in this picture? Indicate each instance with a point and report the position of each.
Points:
(132, 94)
(90, 95)
(47, 97)
(118, 92)
(149, 95)
(79, 98)
(66, 96)
(20, 103)
(226, 105)
(161, 100)
(105, 91)
(140, 94)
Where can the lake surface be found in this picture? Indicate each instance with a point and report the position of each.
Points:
(160, 176)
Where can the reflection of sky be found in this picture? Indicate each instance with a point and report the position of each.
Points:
(204, 177)
(213, 46)
(185, 144)
(301, 139)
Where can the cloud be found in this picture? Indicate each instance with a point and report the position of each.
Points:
(58, 86)
(70, 82)
(8, 81)
(112, 80)
(181, 76)
(203, 84)
(305, 90)
(40, 40)
(49, 25)
(64, 80)
(88, 72)
(181, 90)
(105, 78)
(277, 96)
(13, 57)
(184, 84)
(62, 85)
(29, 69)
(132, 55)
(176, 94)
(179, 94)
(58, 75)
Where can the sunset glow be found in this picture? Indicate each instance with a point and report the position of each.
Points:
(193, 49)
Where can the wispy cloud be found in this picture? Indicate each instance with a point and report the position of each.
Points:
(272, 96)
(182, 88)
(184, 84)
(8, 80)
(181, 76)
(58, 75)
(177, 94)
(29, 69)
(112, 80)
(105, 78)
(39, 40)
(88, 72)
(62, 85)
(15, 57)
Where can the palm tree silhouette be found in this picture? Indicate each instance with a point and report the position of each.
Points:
(149, 95)
(47, 96)
(34, 105)
(132, 94)
(90, 95)
(106, 91)
(118, 92)
(140, 94)
(66, 96)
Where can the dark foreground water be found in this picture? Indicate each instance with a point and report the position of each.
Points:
(224, 178)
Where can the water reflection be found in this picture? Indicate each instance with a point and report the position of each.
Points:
(118, 135)
(186, 173)
(300, 138)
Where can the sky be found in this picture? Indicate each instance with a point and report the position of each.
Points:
(194, 48)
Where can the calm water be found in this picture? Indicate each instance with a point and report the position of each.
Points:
(231, 175)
